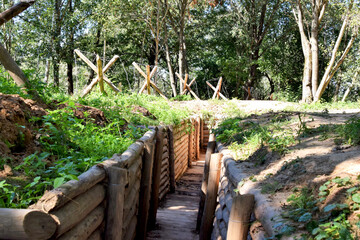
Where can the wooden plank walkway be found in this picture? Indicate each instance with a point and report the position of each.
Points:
(176, 217)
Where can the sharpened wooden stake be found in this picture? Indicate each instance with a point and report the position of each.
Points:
(88, 88)
(186, 86)
(148, 79)
(213, 88)
(239, 220)
(218, 89)
(100, 74)
(148, 83)
(211, 196)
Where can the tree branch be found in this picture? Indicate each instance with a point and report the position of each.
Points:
(15, 10)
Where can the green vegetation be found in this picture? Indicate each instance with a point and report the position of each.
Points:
(337, 219)
(70, 145)
(245, 137)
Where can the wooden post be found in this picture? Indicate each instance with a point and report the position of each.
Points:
(148, 78)
(211, 196)
(190, 146)
(115, 202)
(210, 150)
(198, 120)
(171, 158)
(26, 224)
(239, 221)
(145, 187)
(154, 203)
(100, 74)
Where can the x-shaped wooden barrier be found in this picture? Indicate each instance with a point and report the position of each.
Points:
(217, 90)
(187, 86)
(148, 83)
(100, 71)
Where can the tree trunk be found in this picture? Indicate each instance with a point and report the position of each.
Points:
(350, 87)
(96, 45)
(314, 52)
(330, 70)
(47, 71)
(15, 72)
(56, 42)
(70, 79)
(70, 59)
(168, 61)
(337, 89)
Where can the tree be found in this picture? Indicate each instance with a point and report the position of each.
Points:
(313, 12)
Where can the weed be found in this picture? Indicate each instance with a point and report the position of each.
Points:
(271, 188)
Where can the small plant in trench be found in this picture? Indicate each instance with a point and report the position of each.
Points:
(330, 221)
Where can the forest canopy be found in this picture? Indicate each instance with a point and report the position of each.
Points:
(266, 49)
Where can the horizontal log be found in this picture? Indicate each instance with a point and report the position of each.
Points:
(180, 146)
(96, 235)
(134, 174)
(165, 159)
(165, 149)
(130, 233)
(128, 157)
(132, 196)
(165, 167)
(86, 227)
(164, 179)
(165, 141)
(60, 196)
(25, 224)
(77, 209)
(180, 138)
(163, 192)
(181, 152)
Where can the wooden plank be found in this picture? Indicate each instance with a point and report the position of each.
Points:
(26, 224)
(211, 196)
(77, 209)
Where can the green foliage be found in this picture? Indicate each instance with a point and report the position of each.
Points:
(350, 131)
(245, 137)
(331, 220)
(70, 146)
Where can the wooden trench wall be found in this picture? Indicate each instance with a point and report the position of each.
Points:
(120, 196)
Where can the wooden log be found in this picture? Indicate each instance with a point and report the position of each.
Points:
(239, 221)
(134, 174)
(145, 186)
(218, 89)
(164, 180)
(182, 150)
(153, 85)
(112, 61)
(165, 167)
(96, 235)
(85, 228)
(171, 159)
(26, 224)
(197, 137)
(115, 202)
(211, 196)
(131, 231)
(131, 155)
(77, 209)
(164, 192)
(213, 88)
(63, 194)
(190, 149)
(88, 88)
(132, 199)
(210, 150)
(155, 187)
(100, 74)
(148, 79)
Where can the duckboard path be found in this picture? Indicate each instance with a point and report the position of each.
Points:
(177, 214)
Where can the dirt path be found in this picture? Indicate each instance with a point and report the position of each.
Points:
(176, 218)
